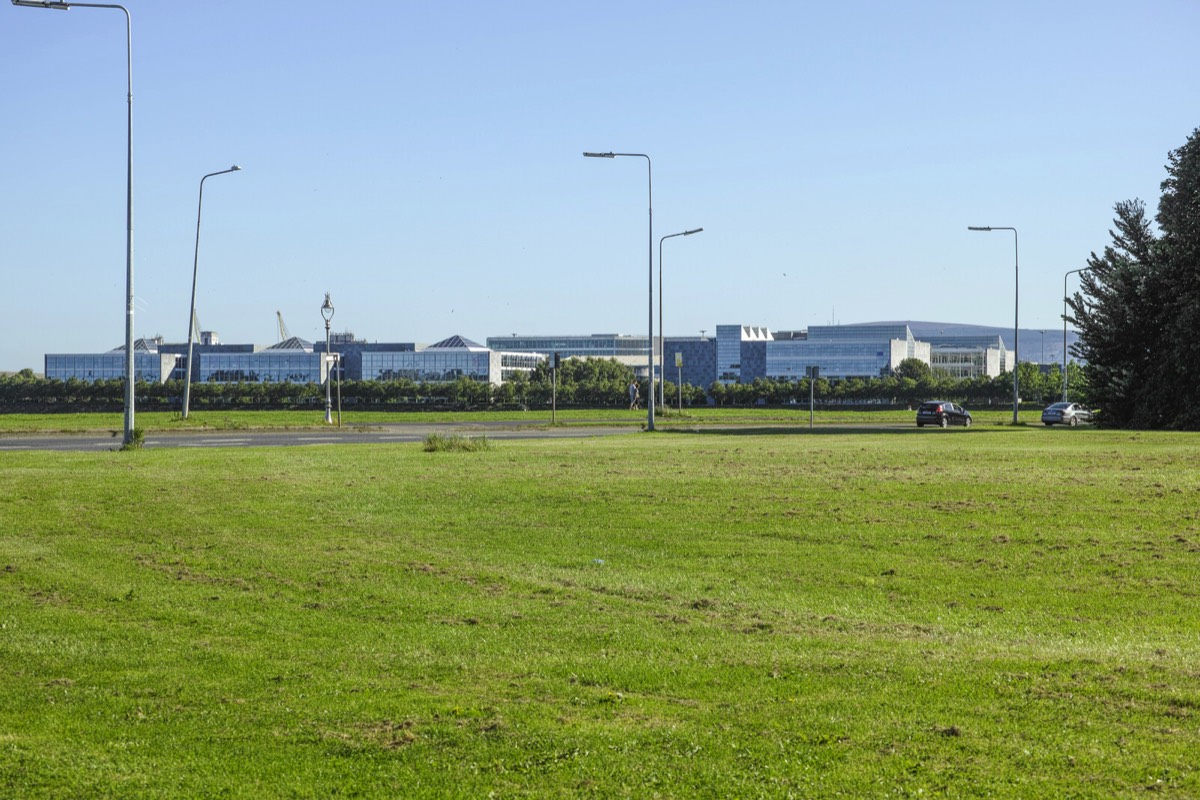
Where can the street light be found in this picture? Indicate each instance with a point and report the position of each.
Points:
(129, 371)
(662, 358)
(1069, 273)
(650, 275)
(327, 315)
(1016, 314)
(187, 381)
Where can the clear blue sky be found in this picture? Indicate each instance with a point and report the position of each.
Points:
(422, 162)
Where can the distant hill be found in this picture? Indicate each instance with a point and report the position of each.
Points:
(1032, 340)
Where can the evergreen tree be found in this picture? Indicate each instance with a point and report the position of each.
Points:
(1138, 311)
(1118, 336)
(1179, 221)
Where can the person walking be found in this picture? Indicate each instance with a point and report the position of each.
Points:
(635, 396)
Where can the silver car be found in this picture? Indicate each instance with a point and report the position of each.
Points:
(1066, 414)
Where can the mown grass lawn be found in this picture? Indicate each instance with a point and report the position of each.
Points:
(1007, 612)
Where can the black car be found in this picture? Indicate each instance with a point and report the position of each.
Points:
(944, 413)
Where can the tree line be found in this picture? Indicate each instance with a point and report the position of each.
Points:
(1138, 308)
(579, 383)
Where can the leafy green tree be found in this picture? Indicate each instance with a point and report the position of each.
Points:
(1032, 382)
(913, 368)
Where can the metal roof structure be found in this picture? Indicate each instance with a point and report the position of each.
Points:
(456, 342)
(293, 343)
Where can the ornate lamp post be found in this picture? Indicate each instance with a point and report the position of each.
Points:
(327, 315)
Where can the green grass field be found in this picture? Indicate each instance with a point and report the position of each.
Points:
(1001, 612)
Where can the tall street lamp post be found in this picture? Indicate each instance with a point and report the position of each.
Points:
(1068, 274)
(650, 274)
(129, 370)
(1016, 313)
(327, 315)
(187, 381)
(662, 358)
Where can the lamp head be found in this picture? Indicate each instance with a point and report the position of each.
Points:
(600, 155)
(694, 230)
(977, 228)
(327, 308)
(235, 168)
(42, 4)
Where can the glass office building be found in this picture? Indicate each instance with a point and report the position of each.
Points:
(596, 345)
(149, 364)
(844, 351)
(448, 360)
(261, 367)
(290, 361)
(965, 362)
(427, 365)
(969, 356)
(737, 354)
(149, 367)
(513, 363)
(699, 357)
(739, 349)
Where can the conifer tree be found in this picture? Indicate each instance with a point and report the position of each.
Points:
(1138, 309)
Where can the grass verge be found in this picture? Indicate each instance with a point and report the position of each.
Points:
(1001, 612)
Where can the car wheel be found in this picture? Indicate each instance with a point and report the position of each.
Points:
(967, 422)
(1073, 422)
(945, 422)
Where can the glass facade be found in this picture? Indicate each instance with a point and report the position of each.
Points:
(513, 363)
(858, 333)
(295, 366)
(969, 356)
(850, 351)
(430, 365)
(959, 362)
(699, 361)
(730, 353)
(599, 345)
(790, 360)
(149, 367)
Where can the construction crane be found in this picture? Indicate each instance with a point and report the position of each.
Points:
(284, 335)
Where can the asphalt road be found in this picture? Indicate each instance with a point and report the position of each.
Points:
(379, 434)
